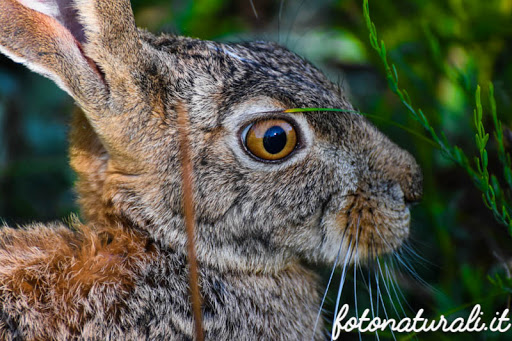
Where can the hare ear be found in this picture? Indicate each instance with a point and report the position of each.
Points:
(90, 48)
(113, 41)
(37, 34)
(112, 38)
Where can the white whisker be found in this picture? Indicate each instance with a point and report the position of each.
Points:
(356, 262)
(379, 293)
(254, 9)
(387, 288)
(413, 272)
(370, 289)
(327, 289)
(348, 257)
(393, 285)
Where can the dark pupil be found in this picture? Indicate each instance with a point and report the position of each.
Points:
(274, 140)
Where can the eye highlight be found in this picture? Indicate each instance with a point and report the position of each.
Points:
(270, 140)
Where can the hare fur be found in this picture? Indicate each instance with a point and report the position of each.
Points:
(122, 272)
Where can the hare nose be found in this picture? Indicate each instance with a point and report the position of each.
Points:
(411, 180)
(393, 165)
(399, 166)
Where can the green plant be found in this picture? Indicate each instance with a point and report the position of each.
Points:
(494, 195)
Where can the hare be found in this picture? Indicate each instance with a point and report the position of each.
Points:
(272, 188)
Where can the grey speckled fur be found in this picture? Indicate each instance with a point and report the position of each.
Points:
(122, 274)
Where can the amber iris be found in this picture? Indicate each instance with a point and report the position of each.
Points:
(270, 140)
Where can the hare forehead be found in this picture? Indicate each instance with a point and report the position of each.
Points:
(234, 65)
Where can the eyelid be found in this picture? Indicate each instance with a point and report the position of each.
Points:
(269, 115)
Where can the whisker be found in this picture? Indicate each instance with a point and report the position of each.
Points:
(392, 274)
(355, 295)
(404, 261)
(383, 305)
(399, 254)
(370, 289)
(392, 282)
(279, 18)
(406, 264)
(413, 272)
(348, 257)
(410, 250)
(350, 252)
(254, 9)
(397, 290)
(296, 15)
(328, 285)
(281, 9)
(387, 288)
(356, 262)
(378, 290)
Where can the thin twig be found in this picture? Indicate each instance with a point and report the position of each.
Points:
(188, 207)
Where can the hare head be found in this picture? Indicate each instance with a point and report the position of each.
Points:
(271, 186)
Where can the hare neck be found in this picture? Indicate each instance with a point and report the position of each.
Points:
(239, 296)
(283, 305)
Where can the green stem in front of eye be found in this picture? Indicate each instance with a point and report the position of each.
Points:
(295, 110)
(372, 116)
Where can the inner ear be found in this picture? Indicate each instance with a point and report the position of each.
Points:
(36, 33)
(61, 10)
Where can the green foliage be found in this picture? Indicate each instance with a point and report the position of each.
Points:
(493, 195)
(496, 197)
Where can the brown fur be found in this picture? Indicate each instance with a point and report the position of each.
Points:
(48, 272)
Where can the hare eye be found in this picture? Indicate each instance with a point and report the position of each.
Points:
(270, 140)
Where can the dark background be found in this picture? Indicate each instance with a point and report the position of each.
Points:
(458, 248)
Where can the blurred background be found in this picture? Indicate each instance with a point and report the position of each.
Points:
(458, 255)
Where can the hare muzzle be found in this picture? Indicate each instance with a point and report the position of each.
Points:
(376, 212)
